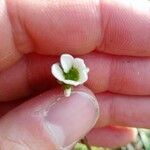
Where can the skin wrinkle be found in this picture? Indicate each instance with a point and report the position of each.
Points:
(100, 36)
(109, 113)
(39, 81)
(120, 68)
(28, 74)
(21, 36)
(27, 77)
(33, 83)
(110, 72)
(113, 71)
(98, 85)
(28, 145)
(28, 81)
(104, 27)
(10, 78)
(9, 55)
(5, 58)
(12, 29)
(112, 110)
(12, 143)
(114, 117)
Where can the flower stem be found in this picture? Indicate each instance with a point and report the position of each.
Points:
(85, 142)
(67, 89)
(67, 92)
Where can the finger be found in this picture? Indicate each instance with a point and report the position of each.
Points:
(119, 110)
(130, 111)
(125, 27)
(125, 75)
(75, 27)
(49, 121)
(63, 29)
(112, 136)
(8, 52)
(30, 76)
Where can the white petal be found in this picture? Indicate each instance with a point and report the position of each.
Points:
(57, 72)
(79, 64)
(83, 77)
(87, 70)
(71, 82)
(66, 62)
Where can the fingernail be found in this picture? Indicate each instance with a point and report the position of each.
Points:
(70, 118)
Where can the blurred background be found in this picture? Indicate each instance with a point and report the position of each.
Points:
(142, 143)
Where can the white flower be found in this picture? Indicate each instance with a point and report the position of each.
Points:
(70, 71)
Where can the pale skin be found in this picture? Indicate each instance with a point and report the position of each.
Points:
(105, 34)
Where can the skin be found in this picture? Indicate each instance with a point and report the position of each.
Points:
(112, 36)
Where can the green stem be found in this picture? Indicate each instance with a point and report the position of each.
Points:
(85, 142)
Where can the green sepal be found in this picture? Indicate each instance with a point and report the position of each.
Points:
(66, 86)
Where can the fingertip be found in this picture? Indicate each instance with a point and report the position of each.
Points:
(112, 136)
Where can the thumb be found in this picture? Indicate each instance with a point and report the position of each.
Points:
(49, 121)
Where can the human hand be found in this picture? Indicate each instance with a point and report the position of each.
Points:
(115, 29)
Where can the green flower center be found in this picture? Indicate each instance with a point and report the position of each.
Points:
(73, 74)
